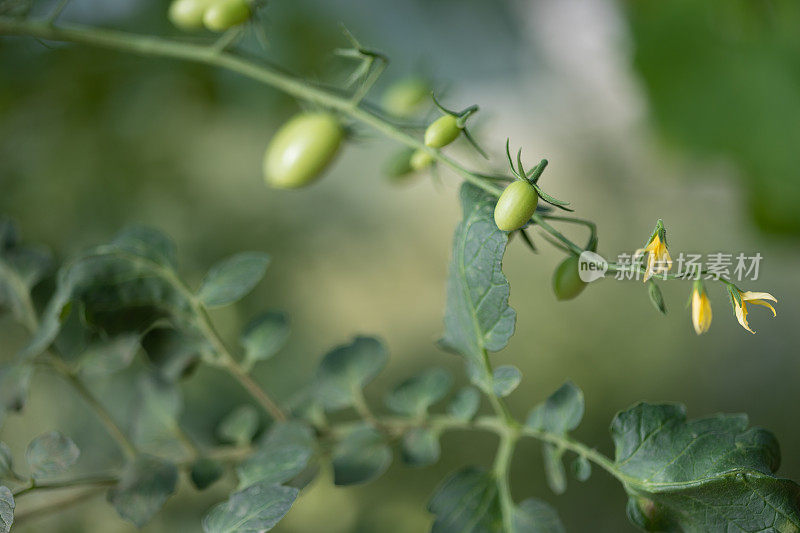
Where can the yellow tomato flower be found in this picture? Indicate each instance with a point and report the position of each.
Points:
(658, 259)
(740, 304)
(701, 308)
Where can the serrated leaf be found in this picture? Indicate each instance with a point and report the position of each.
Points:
(466, 502)
(51, 454)
(232, 278)
(205, 472)
(7, 506)
(155, 414)
(253, 510)
(536, 516)
(110, 356)
(477, 316)
(347, 369)
(15, 379)
(239, 426)
(6, 461)
(465, 404)
(420, 447)
(264, 336)
(582, 468)
(554, 468)
(505, 380)
(360, 457)
(281, 455)
(560, 413)
(415, 395)
(710, 474)
(145, 485)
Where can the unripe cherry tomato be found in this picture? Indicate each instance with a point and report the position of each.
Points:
(404, 98)
(302, 149)
(421, 159)
(225, 14)
(567, 283)
(442, 131)
(398, 167)
(188, 14)
(516, 206)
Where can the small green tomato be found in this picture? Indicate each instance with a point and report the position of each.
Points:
(442, 131)
(515, 206)
(225, 14)
(421, 160)
(567, 283)
(188, 14)
(398, 167)
(302, 149)
(405, 97)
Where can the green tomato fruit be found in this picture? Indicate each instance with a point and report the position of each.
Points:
(421, 160)
(442, 131)
(516, 206)
(567, 283)
(405, 97)
(302, 149)
(225, 14)
(188, 14)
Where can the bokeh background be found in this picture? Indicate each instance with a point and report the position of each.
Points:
(684, 110)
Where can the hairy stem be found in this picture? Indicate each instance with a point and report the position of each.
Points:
(69, 483)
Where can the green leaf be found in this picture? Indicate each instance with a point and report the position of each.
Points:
(420, 447)
(347, 369)
(155, 414)
(465, 404)
(144, 241)
(15, 379)
(478, 316)
(145, 485)
(560, 413)
(582, 468)
(656, 298)
(360, 457)
(281, 455)
(505, 380)
(6, 461)
(709, 474)
(232, 278)
(174, 353)
(536, 516)
(466, 502)
(51, 454)
(110, 356)
(21, 268)
(6, 509)
(554, 468)
(239, 426)
(415, 395)
(205, 472)
(264, 336)
(254, 510)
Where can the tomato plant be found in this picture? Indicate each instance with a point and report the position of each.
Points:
(128, 300)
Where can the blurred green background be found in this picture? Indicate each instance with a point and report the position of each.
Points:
(684, 110)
